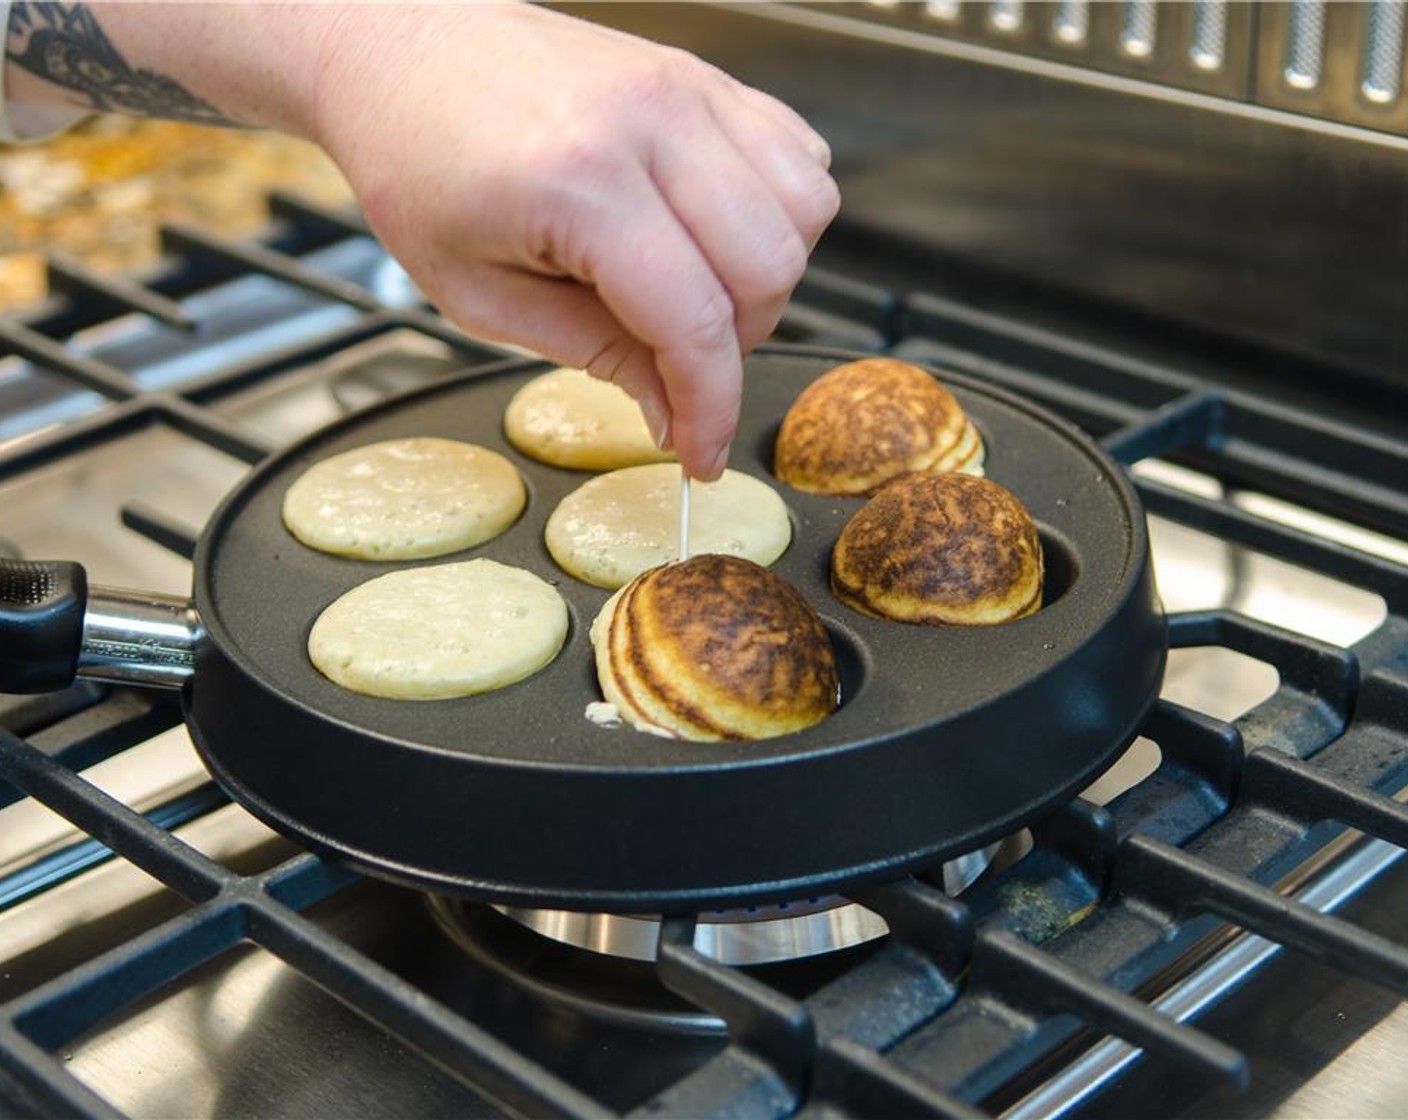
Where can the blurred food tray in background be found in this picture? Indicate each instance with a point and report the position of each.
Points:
(100, 191)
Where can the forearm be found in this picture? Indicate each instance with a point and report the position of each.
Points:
(224, 64)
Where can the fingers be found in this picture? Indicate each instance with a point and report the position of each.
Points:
(739, 173)
(739, 225)
(649, 310)
(784, 116)
(624, 362)
(791, 159)
(566, 322)
(748, 178)
(779, 113)
(666, 291)
(681, 273)
(655, 253)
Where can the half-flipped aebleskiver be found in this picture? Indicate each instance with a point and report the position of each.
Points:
(713, 648)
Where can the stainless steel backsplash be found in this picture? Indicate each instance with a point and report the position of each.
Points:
(1238, 168)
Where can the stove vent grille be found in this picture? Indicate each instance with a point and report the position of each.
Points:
(1340, 62)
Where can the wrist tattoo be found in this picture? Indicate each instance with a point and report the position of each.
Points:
(64, 44)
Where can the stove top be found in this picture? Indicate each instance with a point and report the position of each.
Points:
(1209, 929)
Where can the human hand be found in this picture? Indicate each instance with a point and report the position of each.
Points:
(608, 202)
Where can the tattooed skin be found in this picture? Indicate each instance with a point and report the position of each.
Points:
(64, 44)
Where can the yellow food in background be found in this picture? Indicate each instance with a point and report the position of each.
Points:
(101, 191)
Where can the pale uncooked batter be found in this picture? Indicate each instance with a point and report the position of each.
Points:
(404, 499)
(571, 419)
(612, 528)
(441, 631)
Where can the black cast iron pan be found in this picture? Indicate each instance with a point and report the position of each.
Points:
(946, 739)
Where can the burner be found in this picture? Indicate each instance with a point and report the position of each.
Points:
(581, 1012)
(615, 991)
(605, 993)
(750, 935)
(755, 935)
(598, 971)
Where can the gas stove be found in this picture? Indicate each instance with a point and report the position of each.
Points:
(1209, 928)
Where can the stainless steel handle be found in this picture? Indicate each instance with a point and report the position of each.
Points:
(131, 637)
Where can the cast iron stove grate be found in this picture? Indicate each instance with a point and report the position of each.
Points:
(966, 1001)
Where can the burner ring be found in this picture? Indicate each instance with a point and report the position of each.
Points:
(744, 936)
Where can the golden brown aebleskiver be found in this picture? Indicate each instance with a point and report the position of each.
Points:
(946, 549)
(862, 424)
(715, 647)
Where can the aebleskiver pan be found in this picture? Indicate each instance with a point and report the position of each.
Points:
(947, 738)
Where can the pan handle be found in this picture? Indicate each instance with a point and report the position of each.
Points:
(54, 628)
(41, 624)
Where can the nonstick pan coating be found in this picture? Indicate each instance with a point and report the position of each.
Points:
(947, 738)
